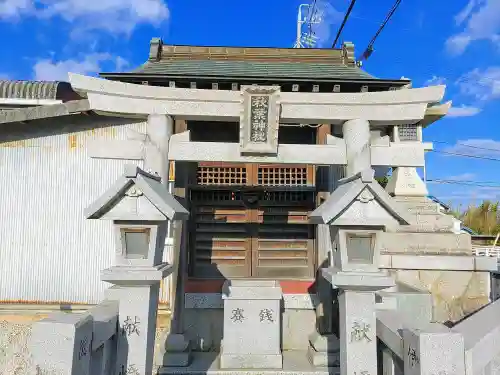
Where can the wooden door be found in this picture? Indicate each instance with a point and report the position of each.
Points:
(251, 221)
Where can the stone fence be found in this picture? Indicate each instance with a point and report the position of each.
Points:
(84, 344)
(410, 347)
(77, 344)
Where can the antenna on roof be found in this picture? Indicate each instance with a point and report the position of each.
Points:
(307, 14)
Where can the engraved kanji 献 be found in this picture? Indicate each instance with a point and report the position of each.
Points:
(237, 315)
(413, 357)
(360, 332)
(84, 348)
(266, 314)
(131, 326)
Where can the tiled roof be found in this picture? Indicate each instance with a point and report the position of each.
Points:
(255, 69)
(51, 90)
(436, 200)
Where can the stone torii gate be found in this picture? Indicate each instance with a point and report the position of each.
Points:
(260, 110)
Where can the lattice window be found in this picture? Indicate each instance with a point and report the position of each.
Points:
(222, 175)
(289, 176)
(286, 196)
(408, 133)
(212, 196)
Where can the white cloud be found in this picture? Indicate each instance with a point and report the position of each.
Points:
(14, 8)
(455, 111)
(477, 147)
(481, 84)
(115, 16)
(480, 20)
(463, 111)
(435, 80)
(51, 70)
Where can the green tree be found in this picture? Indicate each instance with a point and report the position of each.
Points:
(382, 180)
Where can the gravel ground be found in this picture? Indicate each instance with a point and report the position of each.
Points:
(15, 358)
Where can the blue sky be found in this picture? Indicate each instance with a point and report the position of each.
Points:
(452, 42)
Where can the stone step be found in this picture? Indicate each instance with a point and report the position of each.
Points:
(411, 209)
(425, 228)
(295, 362)
(424, 207)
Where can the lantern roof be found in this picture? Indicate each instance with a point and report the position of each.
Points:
(137, 195)
(359, 201)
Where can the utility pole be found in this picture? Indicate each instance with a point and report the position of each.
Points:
(306, 15)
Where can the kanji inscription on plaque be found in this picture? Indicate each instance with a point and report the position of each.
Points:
(259, 120)
(259, 117)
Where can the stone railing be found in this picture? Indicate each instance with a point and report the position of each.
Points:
(486, 251)
(70, 343)
(481, 333)
(411, 347)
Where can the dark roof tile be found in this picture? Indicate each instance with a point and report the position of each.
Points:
(208, 68)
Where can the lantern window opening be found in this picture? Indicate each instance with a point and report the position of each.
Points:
(360, 248)
(135, 242)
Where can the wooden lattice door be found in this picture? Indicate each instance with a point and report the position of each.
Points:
(250, 220)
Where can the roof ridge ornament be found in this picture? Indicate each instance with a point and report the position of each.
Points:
(367, 176)
(155, 48)
(348, 54)
(132, 171)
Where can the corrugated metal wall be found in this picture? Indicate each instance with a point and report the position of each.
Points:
(49, 252)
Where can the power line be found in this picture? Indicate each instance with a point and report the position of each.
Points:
(369, 48)
(351, 5)
(470, 146)
(465, 155)
(495, 184)
(312, 12)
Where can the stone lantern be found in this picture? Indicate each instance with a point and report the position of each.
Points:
(139, 207)
(358, 212)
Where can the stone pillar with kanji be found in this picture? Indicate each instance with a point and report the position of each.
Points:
(358, 336)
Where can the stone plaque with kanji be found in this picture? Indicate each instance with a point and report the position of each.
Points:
(259, 122)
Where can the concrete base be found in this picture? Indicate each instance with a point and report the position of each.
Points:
(177, 351)
(323, 359)
(323, 350)
(251, 361)
(294, 363)
(171, 359)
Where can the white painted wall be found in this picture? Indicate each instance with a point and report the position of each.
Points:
(49, 252)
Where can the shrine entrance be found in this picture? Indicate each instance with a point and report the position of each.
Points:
(251, 220)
